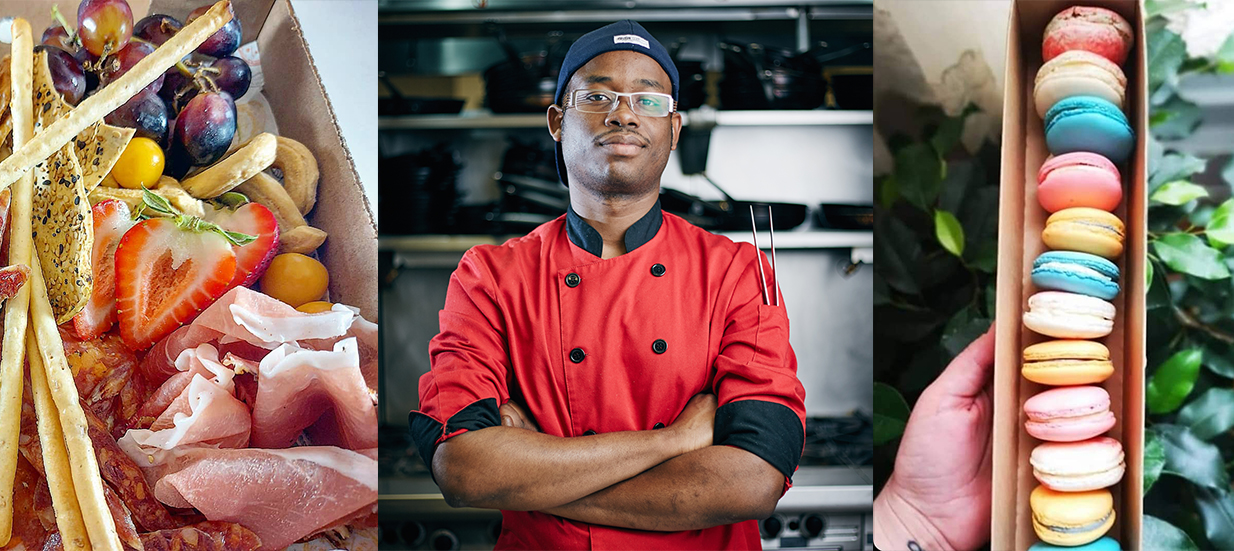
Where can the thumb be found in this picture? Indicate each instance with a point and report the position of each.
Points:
(970, 371)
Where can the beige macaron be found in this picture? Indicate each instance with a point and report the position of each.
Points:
(1079, 73)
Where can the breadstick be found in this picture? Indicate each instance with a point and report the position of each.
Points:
(55, 458)
(115, 94)
(87, 482)
(232, 171)
(22, 109)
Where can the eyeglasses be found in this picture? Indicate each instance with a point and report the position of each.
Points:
(647, 104)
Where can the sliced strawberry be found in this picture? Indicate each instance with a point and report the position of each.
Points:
(252, 259)
(111, 220)
(166, 273)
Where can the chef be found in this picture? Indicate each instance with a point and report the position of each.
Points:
(617, 378)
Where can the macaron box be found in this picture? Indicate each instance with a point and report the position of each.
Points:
(1070, 351)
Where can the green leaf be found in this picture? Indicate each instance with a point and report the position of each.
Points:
(1189, 457)
(1217, 358)
(1154, 459)
(1187, 253)
(1178, 192)
(919, 174)
(1166, 53)
(1172, 381)
(947, 135)
(1154, 8)
(984, 257)
(898, 253)
(1220, 229)
(890, 414)
(1148, 275)
(962, 329)
(1175, 119)
(1217, 510)
(1173, 166)
(1209, 415)
(889, 191)
(1159, 534)
(1225, 56)
(949, 232)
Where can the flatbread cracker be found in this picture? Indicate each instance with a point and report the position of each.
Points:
(98, 148)
(63, 226)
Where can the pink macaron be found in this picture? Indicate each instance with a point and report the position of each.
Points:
(1069, 414)
(1097, 30)
(1079, 179)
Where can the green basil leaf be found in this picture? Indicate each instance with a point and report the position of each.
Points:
(1172, 381)
(1187, 253)
(949, 232)
(890, 414)
(1178, 192)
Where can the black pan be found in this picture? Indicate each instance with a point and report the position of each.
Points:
(845, 217)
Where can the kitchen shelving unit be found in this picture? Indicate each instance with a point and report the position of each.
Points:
(476, 121)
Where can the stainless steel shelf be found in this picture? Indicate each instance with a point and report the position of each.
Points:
(722, 118)
(438, 244)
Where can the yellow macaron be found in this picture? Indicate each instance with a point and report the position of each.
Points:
(1086, 230)
(1067, 362)
(1071, 518)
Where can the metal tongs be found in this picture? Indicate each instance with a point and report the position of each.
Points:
(771, 227)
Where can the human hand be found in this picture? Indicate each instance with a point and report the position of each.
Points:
(939, 493)
(696, 424)
(513, 415)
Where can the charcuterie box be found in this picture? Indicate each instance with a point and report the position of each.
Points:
(1021, 219)
(302, 111)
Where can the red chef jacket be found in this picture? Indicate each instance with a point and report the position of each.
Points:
(592, 345)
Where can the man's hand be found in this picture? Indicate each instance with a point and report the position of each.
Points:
(696, 424)
(939, 492)
(513, 415)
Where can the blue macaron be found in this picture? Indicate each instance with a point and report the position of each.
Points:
(1104, 543)
(1076, 272)
(1089, 123)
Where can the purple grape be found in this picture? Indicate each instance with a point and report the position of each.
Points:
(125, 59)
(57, 36)
(205, 127)
(234, 75)
(145, 112)
(157, 28)
(178, 84)
(225, 40)
(66, 73)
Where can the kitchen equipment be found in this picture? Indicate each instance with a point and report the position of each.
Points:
(522, 83)
(692, 80)
(398, 104)
(766, 77)
(845, 217)
(427, 198)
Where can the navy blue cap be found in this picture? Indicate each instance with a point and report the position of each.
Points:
(622, 35)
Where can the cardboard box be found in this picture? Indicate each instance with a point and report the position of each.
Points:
(302, 110)
(1021, 220)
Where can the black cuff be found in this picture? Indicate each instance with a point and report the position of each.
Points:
(766, 429)
(425, 430)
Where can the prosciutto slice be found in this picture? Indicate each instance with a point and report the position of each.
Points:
(296, 387)
(205, 410)
(244, 316)
(281, 495)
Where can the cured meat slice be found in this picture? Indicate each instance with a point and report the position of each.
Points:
(204, 411)
(208, 535)
(296, 387)
(281, 495)
(121, 471)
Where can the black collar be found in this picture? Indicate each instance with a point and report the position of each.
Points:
(587, 238)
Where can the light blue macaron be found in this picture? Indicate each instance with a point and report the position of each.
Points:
(1089, 123)
(1105, 543)
(1076, 272)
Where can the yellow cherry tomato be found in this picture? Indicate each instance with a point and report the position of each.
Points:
(315, 307)
(141, 164)
(295, 279)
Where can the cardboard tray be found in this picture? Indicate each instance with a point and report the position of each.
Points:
(302, 110)
(1021, 220)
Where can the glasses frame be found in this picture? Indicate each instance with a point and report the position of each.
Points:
(572, 97)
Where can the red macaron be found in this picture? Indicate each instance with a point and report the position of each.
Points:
(1097, 30)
